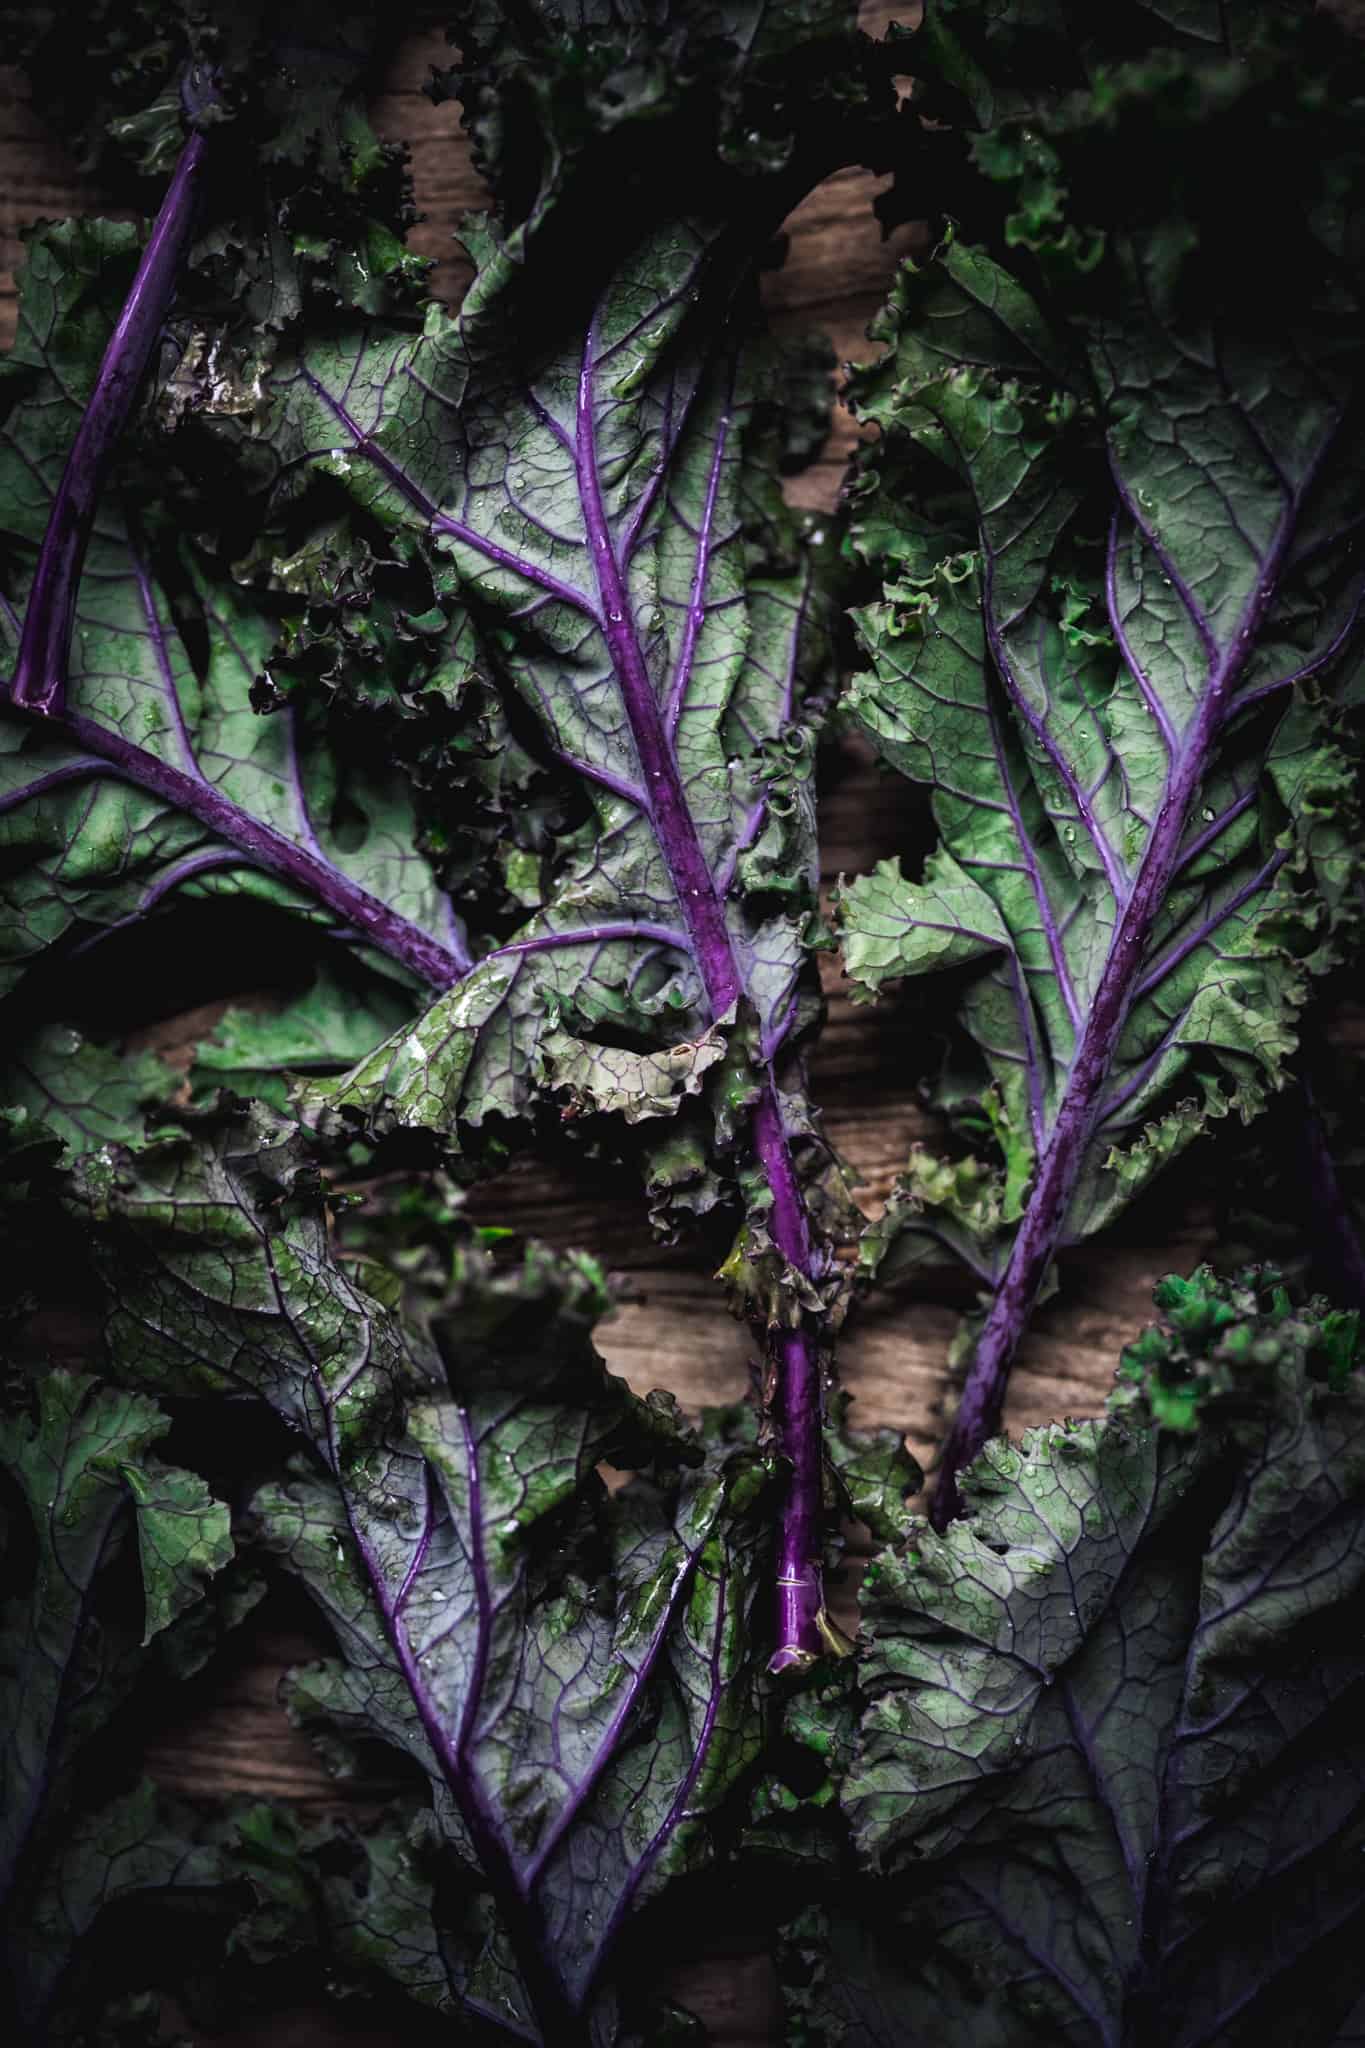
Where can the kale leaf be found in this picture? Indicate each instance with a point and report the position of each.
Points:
(1107, 1782)
(1113, 509)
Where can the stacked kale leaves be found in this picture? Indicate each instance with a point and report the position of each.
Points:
(458, 680)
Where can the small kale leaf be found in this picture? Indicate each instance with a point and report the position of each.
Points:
(709, 95)
(1221, 1338)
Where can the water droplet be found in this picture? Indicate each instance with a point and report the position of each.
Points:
(1207, 815)
(615, 618)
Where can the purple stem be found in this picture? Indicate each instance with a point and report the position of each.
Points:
(40, 673)
(979, 1414)
(800, 1603)
(271, 850)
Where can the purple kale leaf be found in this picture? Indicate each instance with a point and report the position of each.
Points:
(575, 1671)
(1107, 1785)
(1113, 508)
(156, 784)
(594, 497)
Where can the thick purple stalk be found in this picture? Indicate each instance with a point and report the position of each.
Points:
(40, 673)
(1035, 1244)
(800, 1601)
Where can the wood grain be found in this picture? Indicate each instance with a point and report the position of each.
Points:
(671, 1328)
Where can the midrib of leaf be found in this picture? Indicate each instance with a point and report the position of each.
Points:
(265, 847)
(1120, 981)
(40, 673)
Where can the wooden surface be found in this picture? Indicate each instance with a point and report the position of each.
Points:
(671, 1328)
